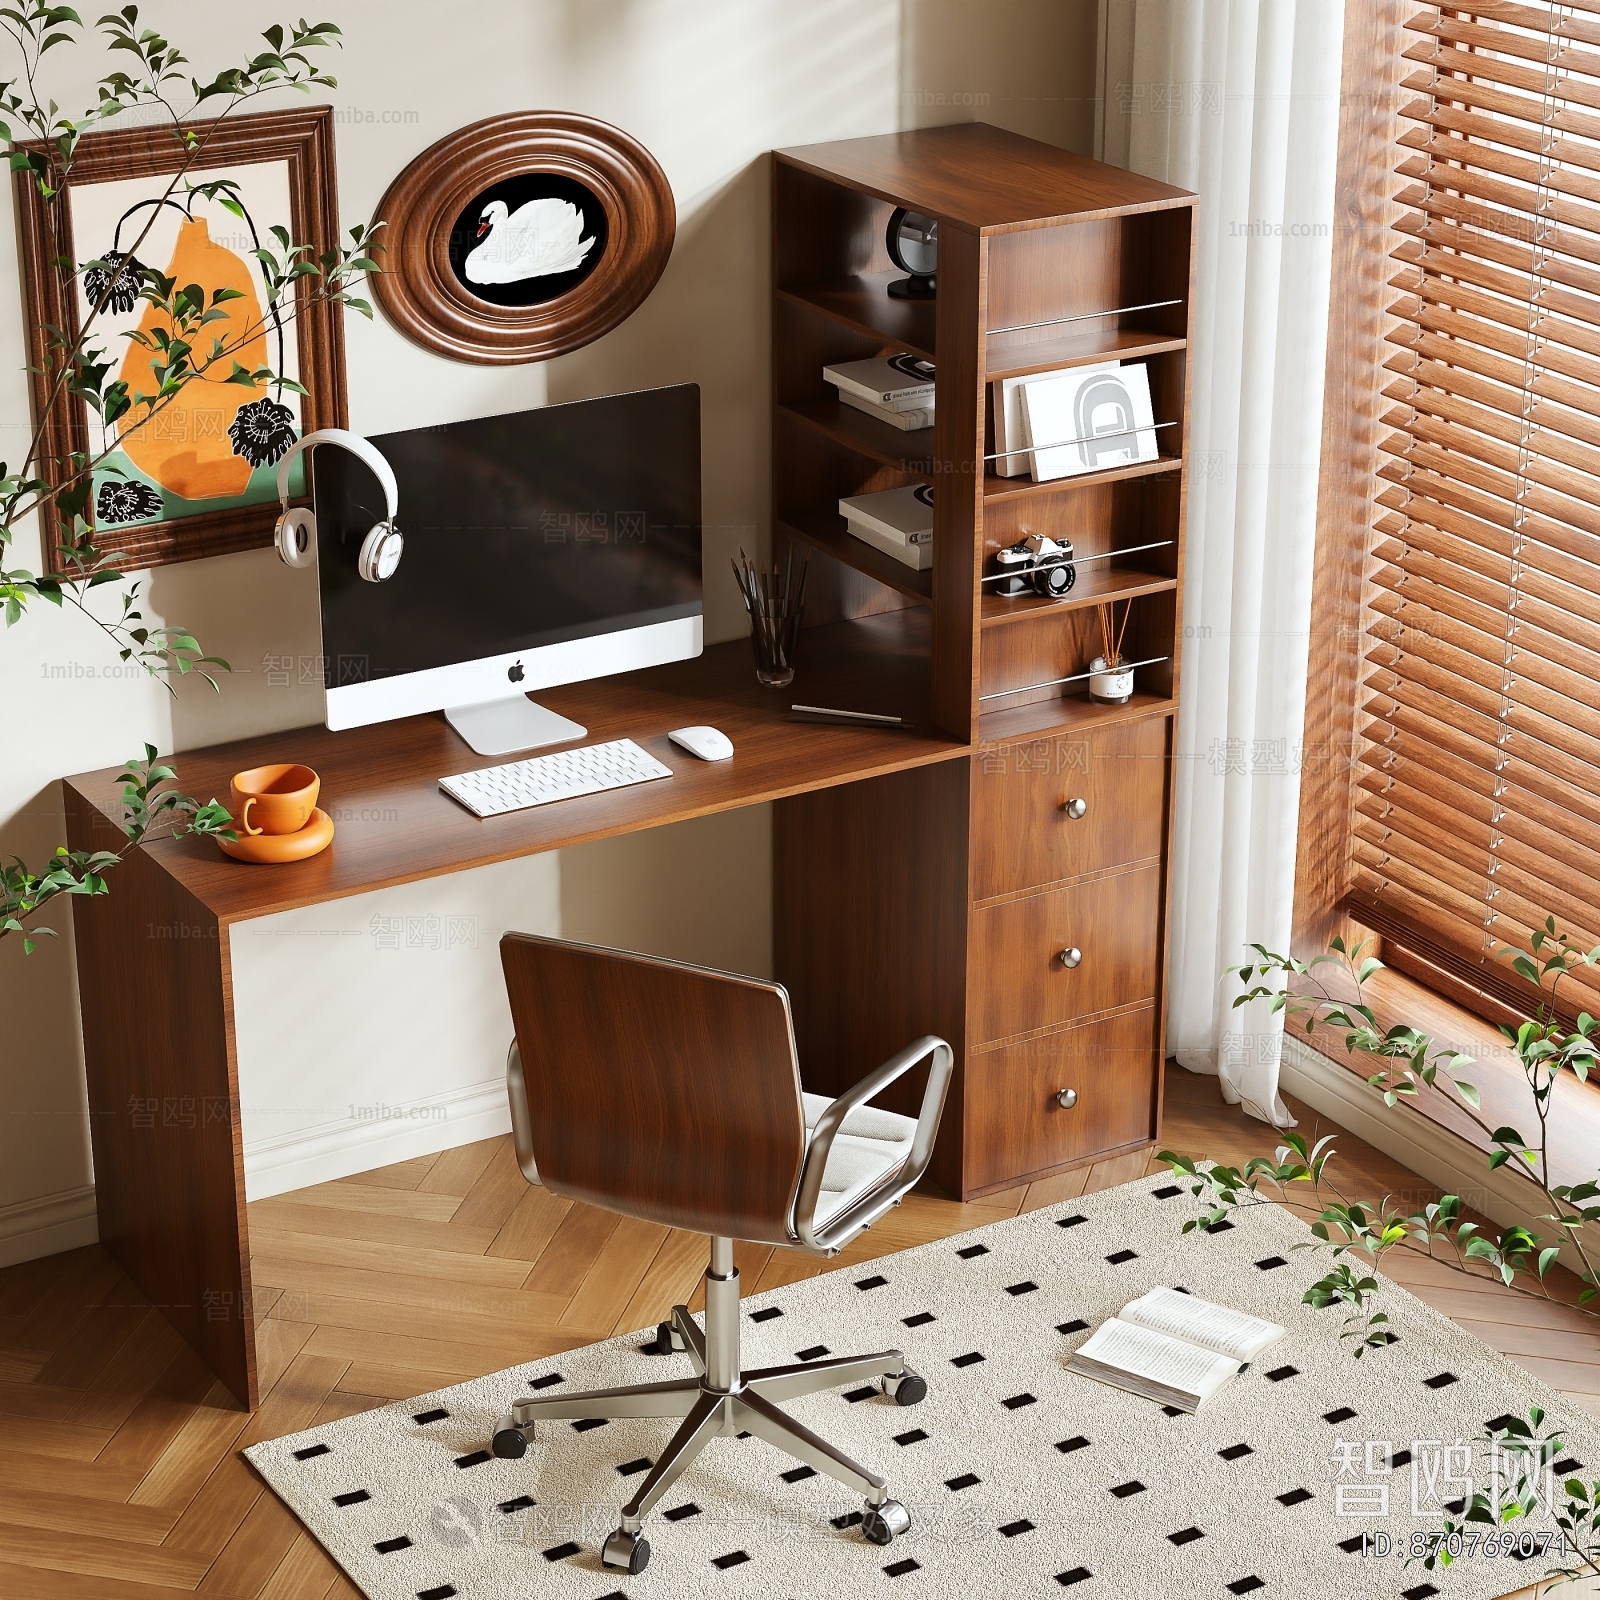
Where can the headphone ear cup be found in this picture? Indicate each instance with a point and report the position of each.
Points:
(380, 552)
(296, 537)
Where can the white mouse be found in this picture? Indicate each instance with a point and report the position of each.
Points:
(710, 744)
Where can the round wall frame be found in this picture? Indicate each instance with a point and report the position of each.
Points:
(523, 237)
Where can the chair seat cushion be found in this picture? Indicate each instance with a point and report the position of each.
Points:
(869, 1146)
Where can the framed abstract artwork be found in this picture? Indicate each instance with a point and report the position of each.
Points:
(523, 237)
(199, 477)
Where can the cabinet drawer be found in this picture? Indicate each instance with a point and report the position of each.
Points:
(1022, 835)
(1015, 1125)
(1019, 982)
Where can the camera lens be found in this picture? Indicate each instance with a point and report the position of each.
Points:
(1054, 580)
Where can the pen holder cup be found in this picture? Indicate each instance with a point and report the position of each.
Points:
(773, 639)
(775, 605)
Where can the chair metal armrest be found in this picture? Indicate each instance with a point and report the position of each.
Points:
(810, 1188)
(521, 1127)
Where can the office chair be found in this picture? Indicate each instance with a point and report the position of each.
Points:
(672, 1093)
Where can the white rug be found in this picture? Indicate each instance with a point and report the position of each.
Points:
(1021, 1478)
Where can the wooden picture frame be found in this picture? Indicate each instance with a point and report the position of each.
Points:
(274, 149)
(609, 222)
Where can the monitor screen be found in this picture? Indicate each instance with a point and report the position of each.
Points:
(521, 531)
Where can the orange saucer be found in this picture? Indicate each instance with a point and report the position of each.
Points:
(273, 848)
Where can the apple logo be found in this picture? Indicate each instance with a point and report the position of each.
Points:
(514, 672)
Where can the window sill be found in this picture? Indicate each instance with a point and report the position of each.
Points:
(1397, 998)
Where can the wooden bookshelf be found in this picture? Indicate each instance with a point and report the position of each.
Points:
(1047, 261)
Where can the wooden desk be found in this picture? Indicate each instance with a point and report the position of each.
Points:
(1001, 883)
(154, 960)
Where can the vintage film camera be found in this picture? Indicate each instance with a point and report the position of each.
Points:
(1038, 565)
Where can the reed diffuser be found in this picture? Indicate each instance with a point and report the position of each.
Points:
(775, 601)
(1110, 681)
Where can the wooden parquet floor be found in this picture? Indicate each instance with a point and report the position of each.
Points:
(119, 1472)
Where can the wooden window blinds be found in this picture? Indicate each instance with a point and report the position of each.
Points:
(1477, 810)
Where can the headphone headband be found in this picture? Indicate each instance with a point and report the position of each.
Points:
(361, 448)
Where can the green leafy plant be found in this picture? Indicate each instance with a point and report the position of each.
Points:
(146, 805)
(147, 72)
(1407, 1063)
(1525, 1461)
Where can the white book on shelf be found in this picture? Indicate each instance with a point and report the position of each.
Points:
(915, 553)
(904, 515)
(906, 421)
(903, 382)
(1086, 420)
(1011, 423)
(1173, 1348)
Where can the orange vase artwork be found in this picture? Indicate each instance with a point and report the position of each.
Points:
(188, 448)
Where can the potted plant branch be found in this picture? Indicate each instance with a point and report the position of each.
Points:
(1407, 1062)
(1358, 1232)
(150, 74)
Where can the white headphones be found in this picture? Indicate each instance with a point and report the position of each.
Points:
(296, 532)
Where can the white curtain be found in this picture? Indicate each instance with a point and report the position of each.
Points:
(1238, 100)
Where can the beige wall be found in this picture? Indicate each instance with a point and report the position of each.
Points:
(708, 86)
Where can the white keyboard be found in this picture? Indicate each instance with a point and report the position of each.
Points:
(493, 791)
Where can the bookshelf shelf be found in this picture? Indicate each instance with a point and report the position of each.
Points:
(997, 488)
(1006, 356)
(1074, 714)
(1094, 586)
(826, 531)
(910, 453)
(862, 302)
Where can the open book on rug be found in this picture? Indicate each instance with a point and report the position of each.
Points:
(1173, 1348)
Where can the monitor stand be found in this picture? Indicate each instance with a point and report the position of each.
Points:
(497, 727)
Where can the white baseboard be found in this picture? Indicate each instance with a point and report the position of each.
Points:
(48, 1225)
(342, 1149)
(1444, 1158)
(66, 1221)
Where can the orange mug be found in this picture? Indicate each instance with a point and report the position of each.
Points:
(282, 796)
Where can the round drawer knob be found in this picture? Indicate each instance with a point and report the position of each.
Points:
(1066, 1099)
(1071, 956)
(1075, 807)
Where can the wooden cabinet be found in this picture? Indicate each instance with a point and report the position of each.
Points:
(1053, 834)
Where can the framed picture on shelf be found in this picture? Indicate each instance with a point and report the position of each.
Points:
(198, 478)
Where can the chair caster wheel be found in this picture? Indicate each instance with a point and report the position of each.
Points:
(909, 1389)
(669, 1342)
(881, 1523)
(510, 1441)
(630, 1551)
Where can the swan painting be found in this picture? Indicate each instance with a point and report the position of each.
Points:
(537, 239)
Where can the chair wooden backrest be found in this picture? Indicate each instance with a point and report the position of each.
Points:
(657, 1089)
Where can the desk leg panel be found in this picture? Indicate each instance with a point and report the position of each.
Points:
(155, 995)
(870, 932)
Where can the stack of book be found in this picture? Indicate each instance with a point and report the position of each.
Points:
(894, 389)
(898, 522)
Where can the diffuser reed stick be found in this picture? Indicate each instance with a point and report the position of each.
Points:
(1111, 635)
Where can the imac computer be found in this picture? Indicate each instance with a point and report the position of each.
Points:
(541, 548)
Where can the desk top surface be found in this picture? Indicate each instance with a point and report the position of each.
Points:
(394, 824)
